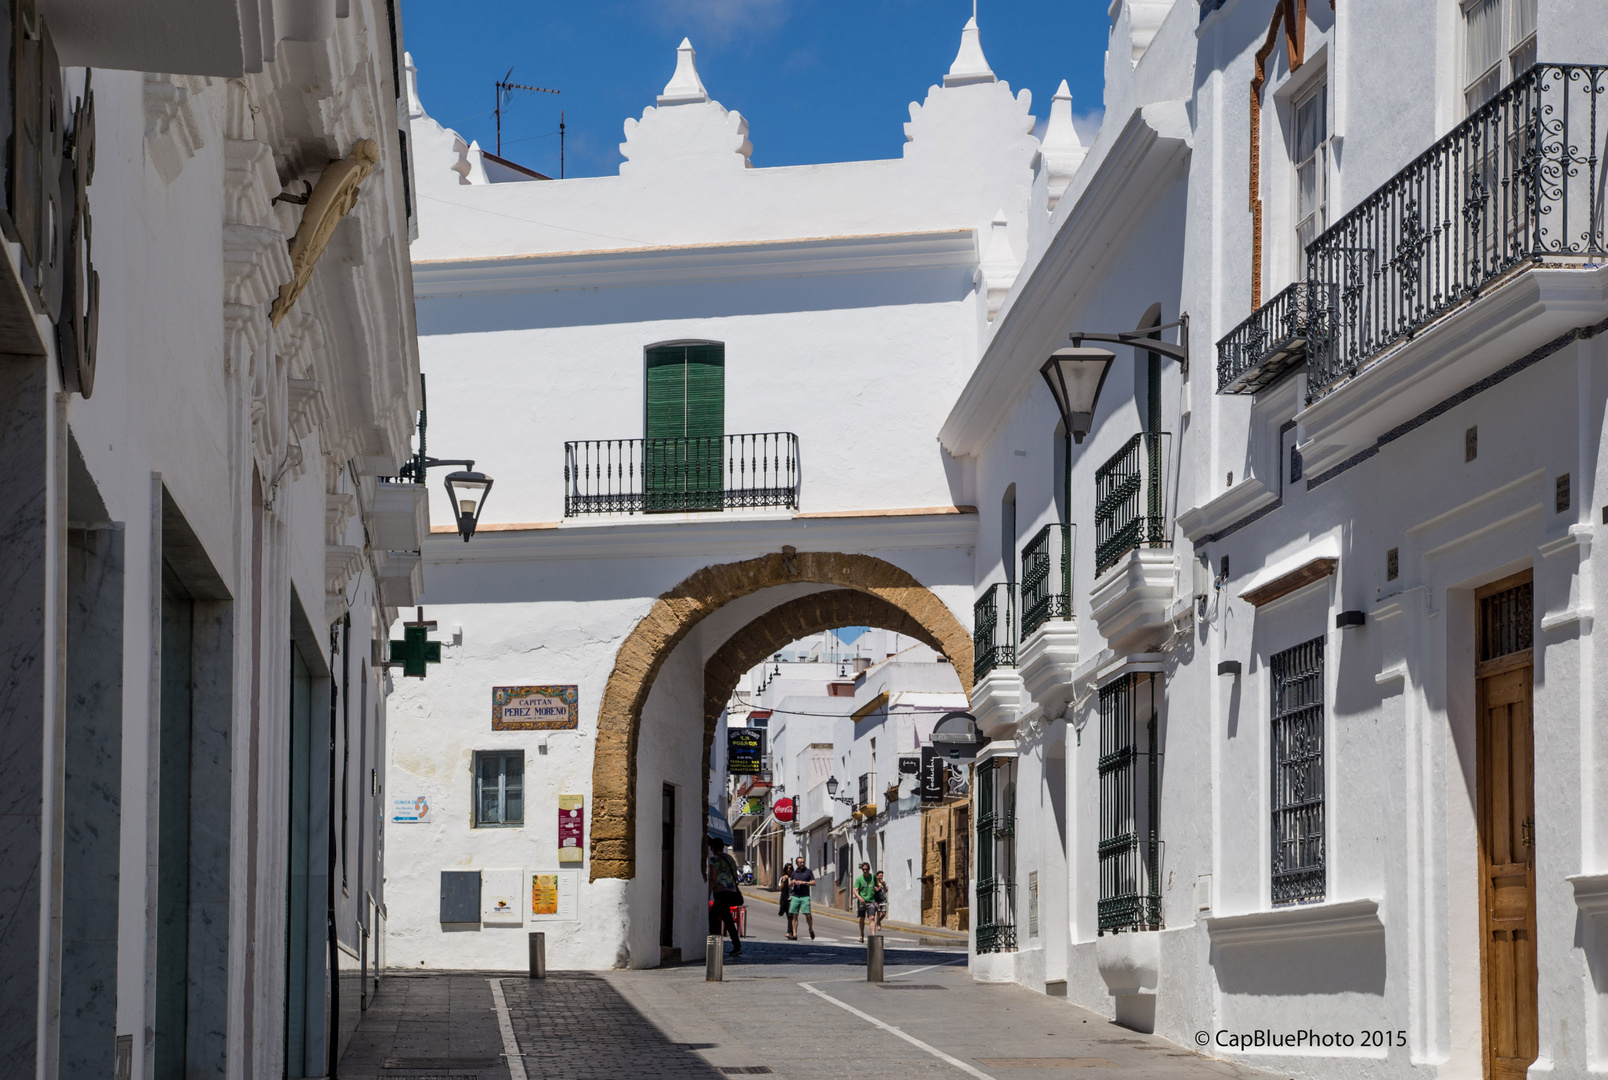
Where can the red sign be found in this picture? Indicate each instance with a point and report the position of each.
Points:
(783, 809)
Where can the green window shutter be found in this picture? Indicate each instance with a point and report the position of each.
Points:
(685, 421)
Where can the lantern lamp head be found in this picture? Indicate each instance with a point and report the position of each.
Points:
(1075, 377)
(467, 490)
(831, 785)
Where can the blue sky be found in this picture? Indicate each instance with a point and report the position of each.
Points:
(817, 80)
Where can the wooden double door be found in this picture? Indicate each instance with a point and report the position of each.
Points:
(1506, 807)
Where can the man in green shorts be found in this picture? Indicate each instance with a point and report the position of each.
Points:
(802, 878)
(865, 890)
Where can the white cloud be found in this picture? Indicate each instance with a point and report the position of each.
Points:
(720, 21)
(1087, 125)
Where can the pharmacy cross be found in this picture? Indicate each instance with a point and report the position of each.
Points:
(416, 650)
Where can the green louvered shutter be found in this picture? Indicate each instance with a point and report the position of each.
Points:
(685, 419)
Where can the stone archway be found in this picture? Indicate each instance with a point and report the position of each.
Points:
(673, 616)
(794, 620)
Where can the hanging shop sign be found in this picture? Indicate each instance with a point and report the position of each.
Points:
(571, 828)
(753, 805)
(535, 708)
(410, 810)
(783, 809)
(909, 766)
(745, 751)
(933, 775)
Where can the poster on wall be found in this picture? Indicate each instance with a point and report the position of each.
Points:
(571, 828)
(535, 708)
(499, 897)
(745, 751)
(554, 895)
(410, 810)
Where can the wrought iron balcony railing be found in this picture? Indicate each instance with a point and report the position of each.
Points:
(1130, 884)
(996, 915)
(1521, 181)
(994, 629)
(1047, 577)
(1276, 338)
(722, 472)
(1129, 500)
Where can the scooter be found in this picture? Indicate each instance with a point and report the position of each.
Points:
(747, 876)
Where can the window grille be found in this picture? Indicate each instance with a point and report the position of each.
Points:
(1130, 844)
(1298, 853)
(996, 855)
(499, 788)
(1506, 622)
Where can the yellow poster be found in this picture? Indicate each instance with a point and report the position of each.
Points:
(544, 894)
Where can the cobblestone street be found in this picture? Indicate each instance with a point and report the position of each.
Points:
(800, 1011)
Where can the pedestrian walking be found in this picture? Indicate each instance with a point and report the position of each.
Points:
(723, 894)
(879, 902)
(863, 884)
(801, 878)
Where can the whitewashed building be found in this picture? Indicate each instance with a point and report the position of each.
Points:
(1300, 749)
(686, 370)
(203, 384)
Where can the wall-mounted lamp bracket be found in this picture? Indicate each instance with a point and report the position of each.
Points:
(1139, 339)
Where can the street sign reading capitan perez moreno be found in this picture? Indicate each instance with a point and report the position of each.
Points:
(535, 708)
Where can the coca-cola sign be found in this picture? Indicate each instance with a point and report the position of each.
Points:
(783, 810)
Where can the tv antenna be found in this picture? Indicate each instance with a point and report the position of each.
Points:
(505, 91)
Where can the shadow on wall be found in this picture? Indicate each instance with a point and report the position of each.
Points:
(1352, 964)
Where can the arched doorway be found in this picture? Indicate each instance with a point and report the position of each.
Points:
(892, 599)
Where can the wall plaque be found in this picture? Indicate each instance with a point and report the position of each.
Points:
(535, 708)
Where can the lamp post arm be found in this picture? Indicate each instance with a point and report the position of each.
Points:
(1139, 339)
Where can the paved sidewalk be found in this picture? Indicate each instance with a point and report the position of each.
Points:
(794, 1011)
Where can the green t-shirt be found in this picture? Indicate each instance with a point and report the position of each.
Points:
(864, 888)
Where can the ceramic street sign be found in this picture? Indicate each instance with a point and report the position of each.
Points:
(535, 708)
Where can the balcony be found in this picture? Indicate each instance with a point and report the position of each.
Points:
(996, 690)
(690, 475)
(1515, 186)
(1276, 338)
(1134, 561)
(1048, 655)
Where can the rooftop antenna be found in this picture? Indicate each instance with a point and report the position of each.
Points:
(505, 91)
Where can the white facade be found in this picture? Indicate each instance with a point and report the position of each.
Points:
(827, 285)
(195, 588)
(1462, 447)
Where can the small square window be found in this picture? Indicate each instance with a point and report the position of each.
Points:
(1471, 444)
(1562, 493)
(499, 788)
(1392, 564)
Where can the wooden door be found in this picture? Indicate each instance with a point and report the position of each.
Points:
(1506, 780)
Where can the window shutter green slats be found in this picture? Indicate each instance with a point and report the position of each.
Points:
(685, 422)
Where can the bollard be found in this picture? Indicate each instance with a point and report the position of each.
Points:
(873, 958)
(715, 959)
(538, 954)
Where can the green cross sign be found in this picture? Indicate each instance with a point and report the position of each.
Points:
(416, 650)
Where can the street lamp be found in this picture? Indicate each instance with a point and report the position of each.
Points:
(1075, 377)
(466, 491)
(831, 792)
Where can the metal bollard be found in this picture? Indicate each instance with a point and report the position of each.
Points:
(538, 954)
(715, 959)
(873, 958)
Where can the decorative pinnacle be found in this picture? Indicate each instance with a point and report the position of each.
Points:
(684, 86)
(970, 65)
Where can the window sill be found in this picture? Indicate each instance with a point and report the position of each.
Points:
(1591, 893)
(1299, 922)
(498, 825)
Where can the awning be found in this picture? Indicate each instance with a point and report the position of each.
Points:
(718, 828)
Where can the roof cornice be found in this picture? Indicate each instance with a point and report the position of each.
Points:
(1132, 173)
(745, 260)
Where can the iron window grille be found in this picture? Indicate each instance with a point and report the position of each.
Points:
(681, 475)
(996, 855)
(1299, 874)
(1130, 842)
(1129, 492)
(994, 629)
(1506, 622)
(1047, 577)
(499, 788)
